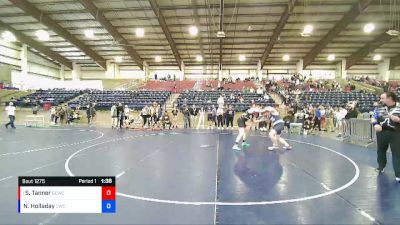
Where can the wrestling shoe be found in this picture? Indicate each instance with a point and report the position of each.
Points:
(379, 170)
(245, 145)
(287, 147)
(236, 148)
(272, 148)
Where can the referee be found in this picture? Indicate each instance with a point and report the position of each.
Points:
(386, 123)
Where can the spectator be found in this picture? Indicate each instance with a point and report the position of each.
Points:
(307, 125)
(52, 114)
(386, 87)
(35, 109)
(166, 120)
(186, 118)
(230, 114)
(317, 119)
(62, 112)
(154, 114)
(210, 119)
(288, 119)
(260, 91)
(57, 114)
(11, 115)
(340, 117)
(220, 118)
(220, 101)
(175, 117)
(114, 116)
(193, 115)
(214, 115)
(241, 99)
(143, 114)
(201, 118)
(329, 114)
(90, 113)
(120, 115)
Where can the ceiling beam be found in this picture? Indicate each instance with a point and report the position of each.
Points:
(221, 29)
(274, 38)
(369, 47)
(340, 26)
(197, 23)
(164, 27)
(31, 10)
(394, 62)
(38, 46)
(98, 15)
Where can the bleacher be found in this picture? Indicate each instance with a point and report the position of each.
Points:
(337, 99)
(181, 86)
(134, 99)
(203, 99)
(52, 96)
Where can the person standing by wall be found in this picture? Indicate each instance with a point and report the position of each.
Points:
(120, 115)
(186, 118)
(114, 116)
(175, 112)
(90, 113)
(329, 114)
(52, 114)
(214, 115)
(201, 118)
(220, 118)
(220, 101)
(230, 114)
(11, 115)
(144, 114)
(386, 122)
(317, 119)
(193, 115)
(166, 120)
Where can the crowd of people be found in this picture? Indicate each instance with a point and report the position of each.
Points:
(220, 117)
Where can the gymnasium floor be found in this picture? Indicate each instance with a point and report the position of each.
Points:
(194, 177)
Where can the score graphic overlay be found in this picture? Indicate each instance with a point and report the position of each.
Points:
(66, 195)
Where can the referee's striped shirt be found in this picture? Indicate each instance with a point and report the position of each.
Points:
(382, 116)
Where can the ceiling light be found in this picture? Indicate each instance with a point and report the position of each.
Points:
(308, 29)
(43, 35)
(118, 59)
(89, 33)
(8, 36)
(393, 32)
(250, 28)
(139, 32)
(242, 58)
(369, 27)
(193, 30)
(158, 58)
(377, 57)
(199, 58)
(331, 57)
(286, 57)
